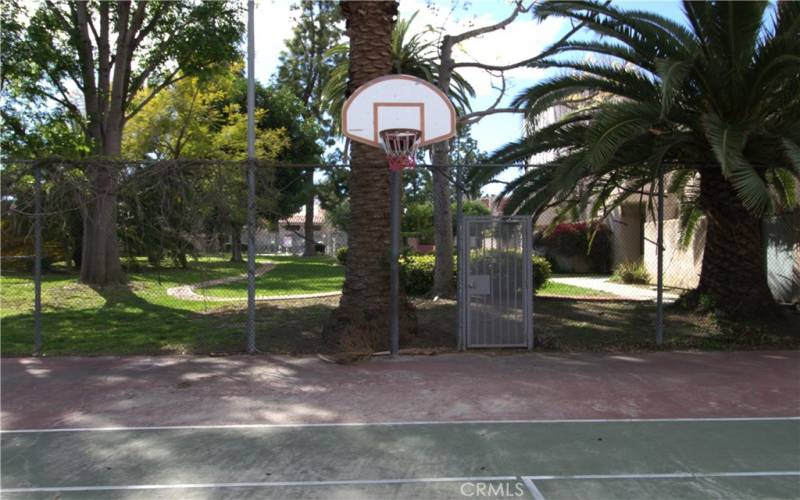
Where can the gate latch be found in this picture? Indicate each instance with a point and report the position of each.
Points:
(479, 285)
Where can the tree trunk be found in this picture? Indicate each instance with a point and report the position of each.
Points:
(236, 244)
(310, 243)
(442, 223)
(100, 264)
(362, 319)
(442, 217)
(734, 266)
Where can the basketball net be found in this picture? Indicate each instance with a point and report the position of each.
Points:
(400, 146)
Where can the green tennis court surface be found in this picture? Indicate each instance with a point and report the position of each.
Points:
(591, 459)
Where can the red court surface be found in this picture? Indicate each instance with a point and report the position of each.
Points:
(175, 391)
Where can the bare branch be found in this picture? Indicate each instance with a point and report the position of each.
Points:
(519, 8)
(86, 57)
(137, 83)
(104, 59)
(69, 28)
(94, 31)
(526, 62)
(156, 17)
(69, 105)
(138, 19)
(476, 116)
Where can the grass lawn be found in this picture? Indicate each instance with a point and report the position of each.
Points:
(551, 288)
(129, 319)
(140, 318)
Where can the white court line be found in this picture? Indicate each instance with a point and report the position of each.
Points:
(537, 495)
(391, 424)
(527, 480)
(668, 475)
(257, 484)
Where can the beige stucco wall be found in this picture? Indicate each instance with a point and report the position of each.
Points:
(626, 234)
(681, 265)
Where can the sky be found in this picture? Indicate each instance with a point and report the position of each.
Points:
(524, 38)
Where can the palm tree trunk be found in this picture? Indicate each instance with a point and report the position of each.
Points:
(361, 321)
(734, 266)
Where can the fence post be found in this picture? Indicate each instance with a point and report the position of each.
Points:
(37, 259)
(459, 257)
(660, 260)
(251, 181)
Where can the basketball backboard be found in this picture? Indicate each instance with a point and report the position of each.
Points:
(398, 102)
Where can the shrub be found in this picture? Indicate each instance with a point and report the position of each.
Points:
(541, 271)
(416, 273)
(500, 260)
(416, 270)
(631, 272)
(341, 255)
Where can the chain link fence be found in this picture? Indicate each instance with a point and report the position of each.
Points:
(182, 240)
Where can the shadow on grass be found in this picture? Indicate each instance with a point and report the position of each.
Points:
(572, 325)
(127, 323)
(120, 321)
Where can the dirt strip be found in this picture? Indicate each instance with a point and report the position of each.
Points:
(199, 390)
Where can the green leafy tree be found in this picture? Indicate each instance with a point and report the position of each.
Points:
(196, 118)
(109, 52)
(305, 68)
(714, 103)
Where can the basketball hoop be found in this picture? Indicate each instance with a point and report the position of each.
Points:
(399, 113)
(400, 145)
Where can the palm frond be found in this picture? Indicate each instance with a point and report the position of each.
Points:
(689, 218)
(614, 125)
(727, 142)
(673, 73)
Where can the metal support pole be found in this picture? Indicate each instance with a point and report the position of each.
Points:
(395, 185)
(459, 256)
(251, 180)
(37, 259)
(660, 259)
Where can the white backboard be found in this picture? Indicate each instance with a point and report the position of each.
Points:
(398, 101)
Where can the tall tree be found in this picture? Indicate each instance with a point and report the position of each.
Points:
(201, 118)
(713, 102)
(305, 68)
(109, 52)
(364, 306)
(447, 68)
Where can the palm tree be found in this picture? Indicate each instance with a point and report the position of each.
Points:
(411, 55)
(361, 319)
(713, 103)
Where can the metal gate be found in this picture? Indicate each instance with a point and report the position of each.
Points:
(495, 282)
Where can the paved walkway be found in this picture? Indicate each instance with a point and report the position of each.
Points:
(189, 292)
(602, 284)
